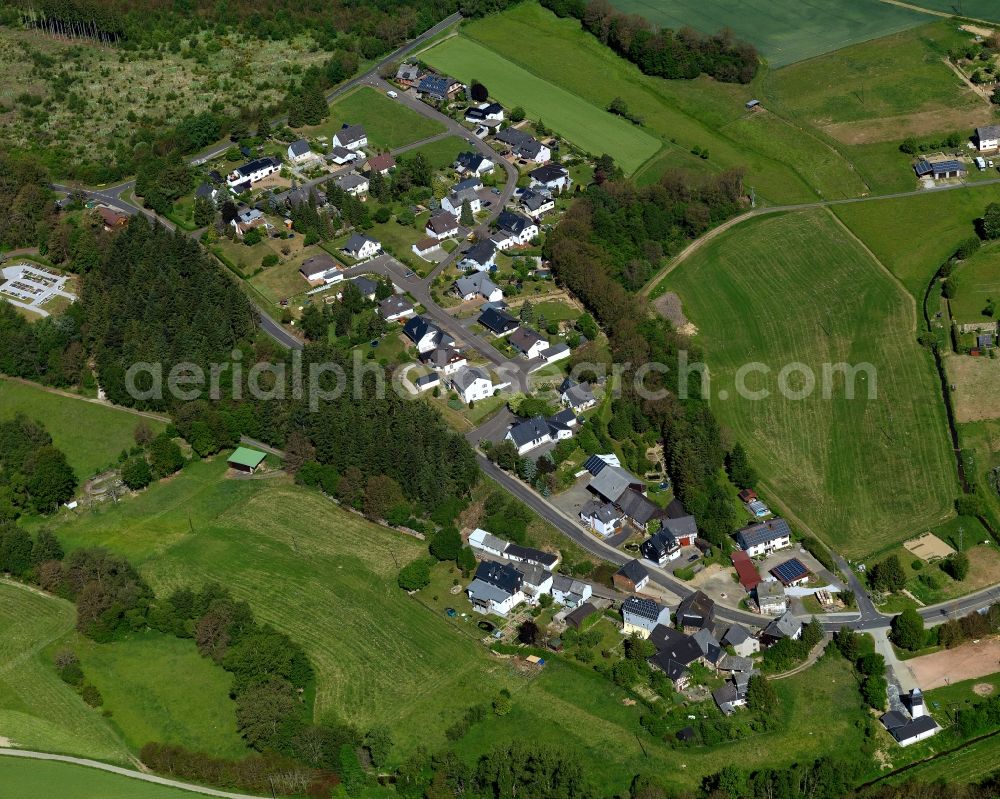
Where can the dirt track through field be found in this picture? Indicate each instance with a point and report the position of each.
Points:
(954, 665)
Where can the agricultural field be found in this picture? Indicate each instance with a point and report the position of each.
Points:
(92, 435)
(37, 709)
(882, 90)
(797, 288)
(590, 128)
(27, 779)
(913, 236)
(195, 711)
(785, 162)
(975, 9)
(591, 712)
(981, 450)
(784, 31)
(58, 95)
(388, 123)
(324, 576)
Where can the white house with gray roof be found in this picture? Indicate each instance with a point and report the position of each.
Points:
(473, 383)
(764, 537)
(351, 137)
(299, 151)
(569, 592)
(577, 396)
(477, 285)
(360, 246)
(485, 542)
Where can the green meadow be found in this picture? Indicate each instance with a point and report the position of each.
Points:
(592, 129)
(37, 709)
(798, 288)
(388, 123)
(30, 779)
(92, 435)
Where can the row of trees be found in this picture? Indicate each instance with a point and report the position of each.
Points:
(605, 243)
(685, 53)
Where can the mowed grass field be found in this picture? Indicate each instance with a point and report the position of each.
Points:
(572, 708)
(785, 162)
(784, 31)
(91, 435)
(37, 709)
(588, 127)
(193, 710)
(323, 576)
(30, 779)
(882, 90)
(797, 288)
(387, 123)
(913, 236)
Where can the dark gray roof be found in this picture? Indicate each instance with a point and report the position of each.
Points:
(680, 527)
(254, 166)
(911, 728)
(531, 555)
(645, 608)
(634, 571)
(524, 338)
(785, 626)
(204, 191)
(711, 649)
(357, 241)
(299, 147)
(394, 304)
(497, 321)
(674, 651)
(548, 172)
(468, 375)
(348, 134)
(529, 430)
(435, 85)
(637, 507)
(471, 160)
(696, 610)
(763, 532)
(502, 575)
(611, 482)
(418, 327)
(512, 222)
(658, 545)
(481, 252)
(604, 511)
(988, 132)
(736, 635)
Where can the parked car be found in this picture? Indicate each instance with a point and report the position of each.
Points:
(391, 94)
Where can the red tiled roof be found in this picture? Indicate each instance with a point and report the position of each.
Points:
(745, 570)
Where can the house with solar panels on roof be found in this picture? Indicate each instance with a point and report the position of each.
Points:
(641, 616)
(791, 573)
(939, 170)
(764, 538)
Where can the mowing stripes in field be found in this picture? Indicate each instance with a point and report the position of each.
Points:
(588, 127)
(797, 288)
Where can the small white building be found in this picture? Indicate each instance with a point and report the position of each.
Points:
(321, 267)
(253, 171)
(569, 592)
(528, 342)
(442, 226)
(514, 230)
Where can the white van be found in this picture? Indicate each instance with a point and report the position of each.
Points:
(392, 94)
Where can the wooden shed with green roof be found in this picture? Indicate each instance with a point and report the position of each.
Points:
(246, 460)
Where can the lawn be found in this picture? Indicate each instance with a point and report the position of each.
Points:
(977, 282)
(387, 123)
(981, 450)
(324, 576)
(195, 711)
(785, 162)
(29, 779)
(572, 708)
(91, 435)
(797, 288)
(784, 31)
(556, 311)
(882, 90)
(913, 236)
(441, 153)
(37, 709)
(590, 128)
